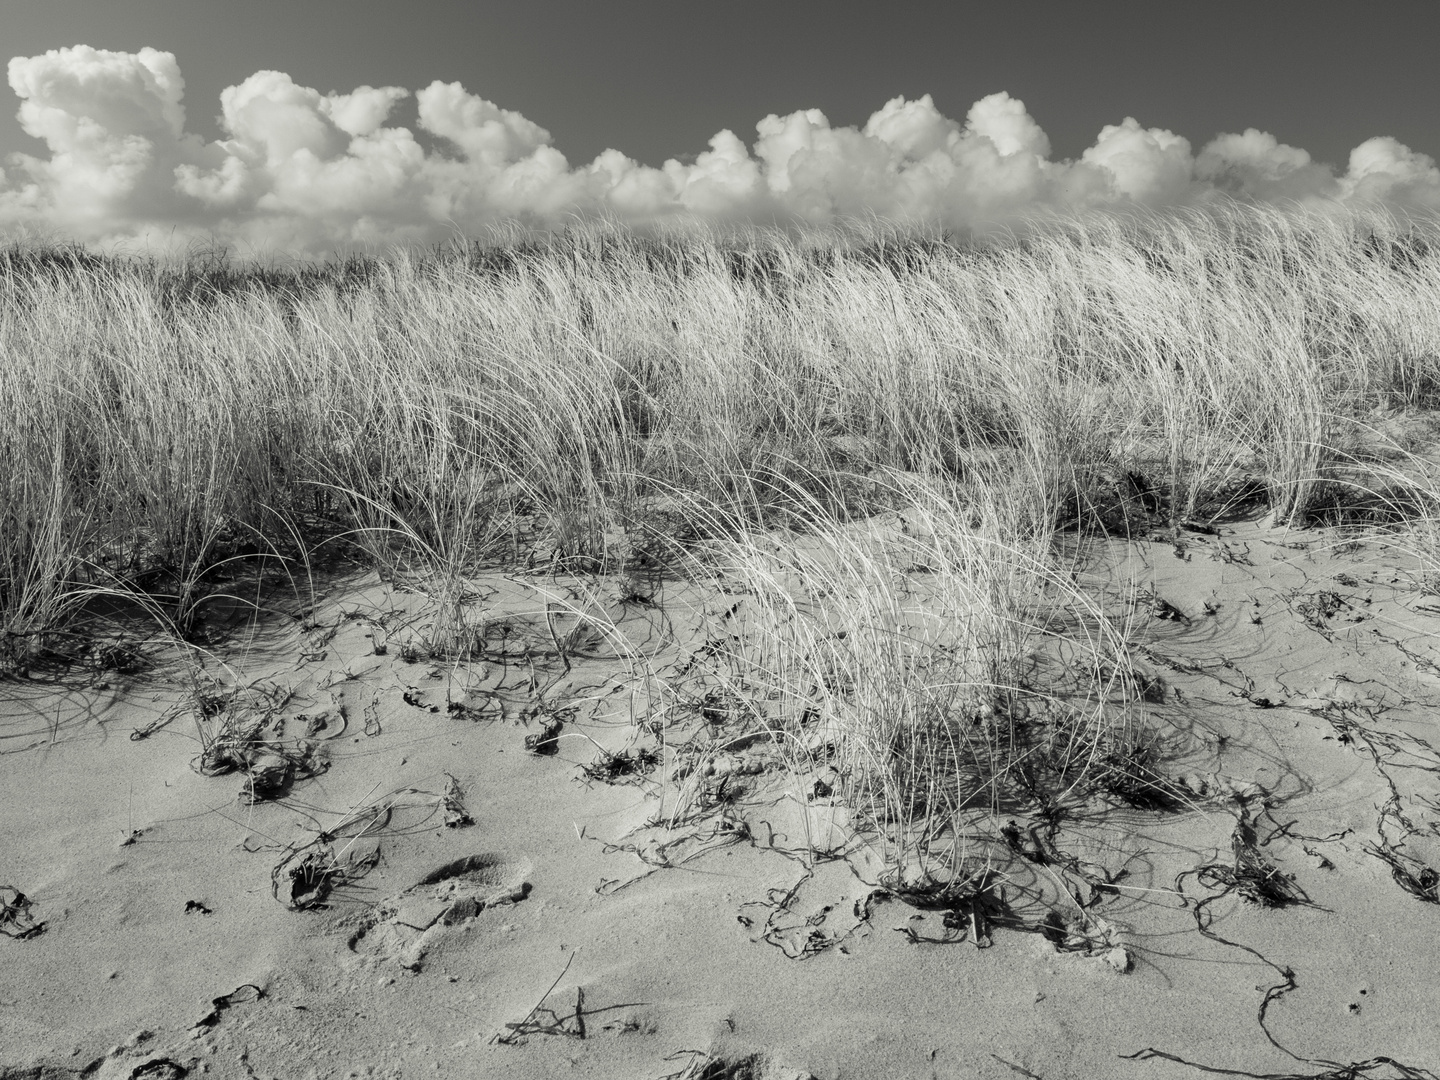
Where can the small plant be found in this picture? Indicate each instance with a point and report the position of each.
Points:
(16, 921)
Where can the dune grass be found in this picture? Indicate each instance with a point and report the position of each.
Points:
(598, 401)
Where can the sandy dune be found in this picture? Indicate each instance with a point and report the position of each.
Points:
(311, 849)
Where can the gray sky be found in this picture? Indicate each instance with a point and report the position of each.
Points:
(657, 79)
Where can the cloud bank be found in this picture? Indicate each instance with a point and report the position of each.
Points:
(306, 172)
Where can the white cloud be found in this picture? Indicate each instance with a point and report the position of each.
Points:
(271, 120)
(111, 122)
(1384, 169)
(364, 110)
(1149, 165)
(1257, 165)
(724, 181)
(914, 129)
(1004, 121)
(302, 170)
(484, 132)
(121, 93)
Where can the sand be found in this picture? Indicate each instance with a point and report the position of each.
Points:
(394, 885)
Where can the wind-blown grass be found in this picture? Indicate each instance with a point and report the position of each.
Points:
(595, 397)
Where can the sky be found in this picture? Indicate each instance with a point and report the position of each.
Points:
(309, 126)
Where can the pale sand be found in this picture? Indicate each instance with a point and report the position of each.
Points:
(669, 969)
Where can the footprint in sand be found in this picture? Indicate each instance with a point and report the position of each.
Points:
(406, 926)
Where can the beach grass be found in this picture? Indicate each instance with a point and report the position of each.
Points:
(878, 435)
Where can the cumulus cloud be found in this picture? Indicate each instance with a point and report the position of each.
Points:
(305, 171)
(1382, 168)
(1148, 165)
(1258, 165)
(113, 123)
